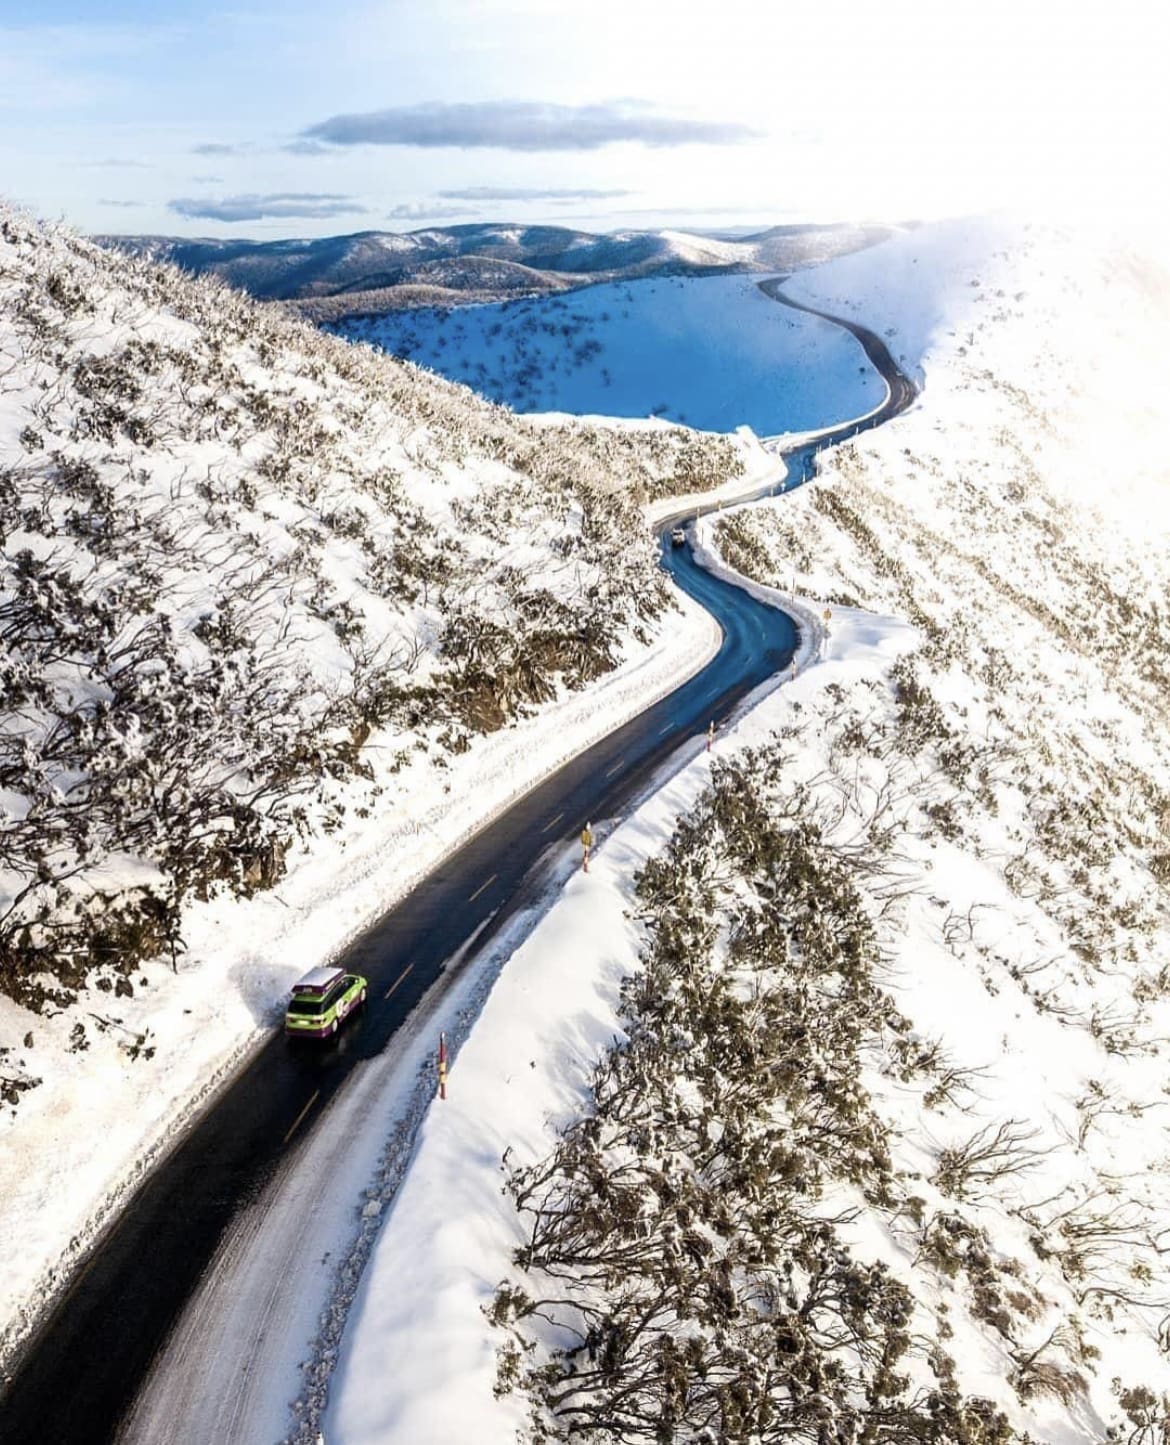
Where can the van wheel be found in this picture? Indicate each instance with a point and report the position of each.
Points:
(333, 1027)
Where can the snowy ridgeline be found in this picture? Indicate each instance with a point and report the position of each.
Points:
(235, 552)
(712, 352)
(331, 278)
(884, 1152)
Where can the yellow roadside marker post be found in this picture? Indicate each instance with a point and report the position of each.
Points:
(586, 844)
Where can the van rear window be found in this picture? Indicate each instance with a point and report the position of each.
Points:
(311, 1006)
(301, 1003)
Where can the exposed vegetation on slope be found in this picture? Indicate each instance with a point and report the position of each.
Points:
(905, 996)
(689, 1249)
(794, 1210)
(1039, 687)
(1036, 709)
(234, 548)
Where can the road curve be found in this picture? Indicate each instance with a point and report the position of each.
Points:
(902, 390)
(81, 1370)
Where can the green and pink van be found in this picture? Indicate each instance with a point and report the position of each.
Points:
(321, 1002)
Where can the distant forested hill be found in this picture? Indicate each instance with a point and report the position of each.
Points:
(373, 271)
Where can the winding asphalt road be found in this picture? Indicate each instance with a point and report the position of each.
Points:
(80, 1372)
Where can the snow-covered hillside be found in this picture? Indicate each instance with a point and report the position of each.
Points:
(275, 610)
(234, 548)
(883, 1152)
(371, 272)
(1072, 327)
(713, 352)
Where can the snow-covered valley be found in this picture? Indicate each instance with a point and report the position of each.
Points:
(710, 352)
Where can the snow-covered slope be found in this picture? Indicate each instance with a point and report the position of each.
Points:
(274, 611)
(232, 548)
(884, 1148)
(1071, 326)
(713, 352)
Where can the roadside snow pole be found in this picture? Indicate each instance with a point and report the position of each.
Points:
(586, 844)
(442, 1066)
(710, 734)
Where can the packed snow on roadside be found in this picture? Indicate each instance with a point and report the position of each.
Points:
(713, 352)
(986, 785)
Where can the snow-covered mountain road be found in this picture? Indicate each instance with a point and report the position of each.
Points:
(901, 389)
(218, 1258)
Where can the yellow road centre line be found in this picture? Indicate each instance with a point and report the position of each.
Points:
(297, 1121)
(482, 886)
(398, 980)
(553, 824)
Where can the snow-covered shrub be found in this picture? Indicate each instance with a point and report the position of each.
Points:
(688, 1273)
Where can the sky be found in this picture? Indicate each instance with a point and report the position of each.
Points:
(267, 119)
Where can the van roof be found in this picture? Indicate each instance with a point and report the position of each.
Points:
(317, 980)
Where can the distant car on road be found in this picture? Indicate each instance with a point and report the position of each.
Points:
(322, 1000)
(678, 537)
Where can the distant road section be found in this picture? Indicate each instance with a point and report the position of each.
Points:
(902, 389)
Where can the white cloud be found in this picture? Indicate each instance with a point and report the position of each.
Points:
(522, 125)
(427, 211)
(530, 193)
(285, 205)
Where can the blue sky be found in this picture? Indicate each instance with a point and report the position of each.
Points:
(268, 120)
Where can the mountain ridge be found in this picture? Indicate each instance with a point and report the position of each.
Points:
(364, 272)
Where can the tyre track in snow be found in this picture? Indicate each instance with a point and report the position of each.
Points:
(210, 1269)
